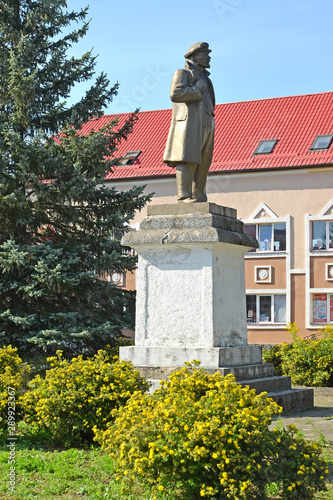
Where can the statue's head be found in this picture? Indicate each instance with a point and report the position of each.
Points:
(199, 53)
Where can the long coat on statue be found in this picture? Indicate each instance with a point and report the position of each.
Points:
(190, 109)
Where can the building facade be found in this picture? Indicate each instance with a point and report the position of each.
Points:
(273, 163)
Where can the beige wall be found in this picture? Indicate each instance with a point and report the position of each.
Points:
(286, 193)
(263, 336)
(294, 193)
(318, 272)
(278, 268)
(129, 282)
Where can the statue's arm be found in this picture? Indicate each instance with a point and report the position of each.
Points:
(181, 91)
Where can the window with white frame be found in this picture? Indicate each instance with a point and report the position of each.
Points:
(266, 309)
(271, 237)
(322, 308)
(321, 235)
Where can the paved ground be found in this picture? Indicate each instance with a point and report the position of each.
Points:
(316, 423)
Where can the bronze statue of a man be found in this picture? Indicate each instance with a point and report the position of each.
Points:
(190, 143)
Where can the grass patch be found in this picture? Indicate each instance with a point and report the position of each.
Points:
(44, 472)
(55, 474)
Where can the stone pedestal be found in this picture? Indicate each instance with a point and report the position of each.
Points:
(190, 287)
(191, 292)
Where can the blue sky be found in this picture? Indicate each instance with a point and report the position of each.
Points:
(260, 48)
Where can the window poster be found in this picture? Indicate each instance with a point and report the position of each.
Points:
(320, 308)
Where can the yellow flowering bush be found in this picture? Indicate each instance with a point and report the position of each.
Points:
(274, 355)
(79, 394)
(203, 435)
(296, 465)
(13, 378)
(308, 361)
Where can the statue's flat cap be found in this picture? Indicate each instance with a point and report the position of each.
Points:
(196, 48)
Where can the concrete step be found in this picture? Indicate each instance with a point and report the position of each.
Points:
(246, 372)
(293, 399)
(290, 399)
(154, 384)
(268, 384)
(174, 357)
(264, 384)
(243, 372)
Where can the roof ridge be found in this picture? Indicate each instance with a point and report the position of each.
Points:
(293, 96)
(278, 97)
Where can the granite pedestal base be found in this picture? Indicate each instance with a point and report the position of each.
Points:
(214, 357)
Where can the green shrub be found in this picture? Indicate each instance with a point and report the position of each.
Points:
(203, 435)
(79, 394)
(274, 355)
(13, 378)
(296, 465)
(308, 361)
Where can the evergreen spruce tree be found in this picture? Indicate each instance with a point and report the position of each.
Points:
(56, 215)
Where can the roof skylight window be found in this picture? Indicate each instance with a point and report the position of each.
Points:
(129, 158)
(321, 142)
(265, 147)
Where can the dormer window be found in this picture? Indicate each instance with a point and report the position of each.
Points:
(321, 143)
(265, 147)
(129, 158)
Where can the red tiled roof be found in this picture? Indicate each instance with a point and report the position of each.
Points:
(295, 121)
